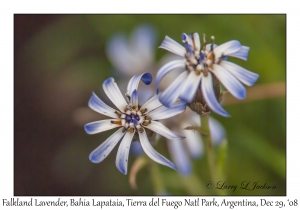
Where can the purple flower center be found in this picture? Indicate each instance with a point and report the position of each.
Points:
(132, 118)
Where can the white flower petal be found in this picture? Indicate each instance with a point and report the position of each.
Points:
(209, 96)
(152, 104)
(154, 155)
(196, 39)
(227, 48)
(217, 131)
(96, 104)
(171, 94)
(143, 42)
(187, 38)
(241, 54)
(102, 151)
(180, 157)
(100, 126)
(192, 40)
(194, 143)
(172, 65)
(208, 47)
(163, 130)
(192, 138)
(135, 80)
(165, 112)
(245, 76)
(231, 83)
(172, 46)
(134, 99)
(120, 55)
(113, 92)
(144, 94)
(123, 151)
(190, 87)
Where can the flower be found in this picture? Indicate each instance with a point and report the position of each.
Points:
(192, 146)
(203, 67)
(135, 55)
(132, 119)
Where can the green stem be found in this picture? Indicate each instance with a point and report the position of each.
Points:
(193, 185)
(208, 147)
(157, 181)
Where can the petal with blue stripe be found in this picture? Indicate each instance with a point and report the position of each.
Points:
(241, 54)
(151, 104)
(100, 126)
(192, 138)
(96, 104)
(102, 151)
(135, 80)
(172, 65)
(172, 46)
(163, 130)
(227, 48)
(113, 92)
(154, 155)
(210, 97)
(165, 112)
(231, 83)
(123, 152)
(194, 143)
(245, 76)
(180, 157)
(190, 87)
(217, 131)
(171, 94)
(134, 99)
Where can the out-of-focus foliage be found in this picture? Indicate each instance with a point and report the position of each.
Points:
(63, 62)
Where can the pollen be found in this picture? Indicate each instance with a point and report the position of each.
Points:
(116, 122)
(131, 130)
(145, 123)
(143, 110)
(118, 113)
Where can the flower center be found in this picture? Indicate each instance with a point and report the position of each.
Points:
(200, 61)
(133, 119)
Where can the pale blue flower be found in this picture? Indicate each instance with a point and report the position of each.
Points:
(192, 146)
(133, 55)
(132, 119)
(200, 65)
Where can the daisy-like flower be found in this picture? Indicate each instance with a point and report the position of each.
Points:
(133, 121)
(204, 68)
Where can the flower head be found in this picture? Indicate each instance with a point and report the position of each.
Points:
(133, 120)
(204, 68)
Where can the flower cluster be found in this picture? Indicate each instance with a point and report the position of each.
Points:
(199, 83)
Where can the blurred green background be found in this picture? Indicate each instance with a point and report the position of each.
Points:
(60, 59)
